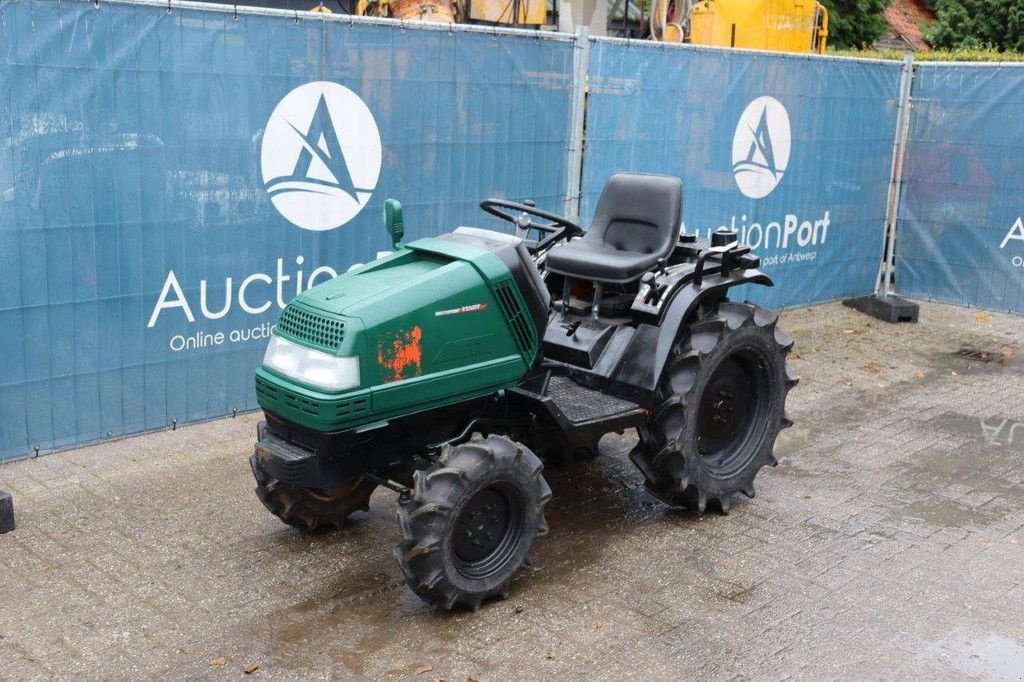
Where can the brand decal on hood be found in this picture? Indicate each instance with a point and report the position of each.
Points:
(464, 309)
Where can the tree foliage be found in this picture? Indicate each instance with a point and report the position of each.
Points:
(998, 24)
(856, 23)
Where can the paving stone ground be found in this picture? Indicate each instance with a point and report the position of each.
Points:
(888, 543)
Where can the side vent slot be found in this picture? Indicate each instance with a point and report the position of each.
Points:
(299, 403)
(347, 409)
(266, 390)
(516, 316)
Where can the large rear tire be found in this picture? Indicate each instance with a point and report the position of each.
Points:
(721, 406)
(471, 522)
(311, 510)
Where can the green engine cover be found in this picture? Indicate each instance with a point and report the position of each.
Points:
(435, 323)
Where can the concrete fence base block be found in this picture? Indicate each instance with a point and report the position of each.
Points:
(6, 513)
(888, 308)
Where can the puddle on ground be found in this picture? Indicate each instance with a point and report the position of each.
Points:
(946, 513)
(994, 434)
(809, 450)
(969, 461)
(990, 657)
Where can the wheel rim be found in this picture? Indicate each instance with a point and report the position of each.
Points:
(730, 411)
(487, 531)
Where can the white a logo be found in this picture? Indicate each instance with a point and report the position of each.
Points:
(760, 147)
(321, 156)
(1016, 232)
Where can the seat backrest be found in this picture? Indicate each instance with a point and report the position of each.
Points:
(639, 212)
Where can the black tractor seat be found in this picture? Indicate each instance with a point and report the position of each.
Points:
(636, 223)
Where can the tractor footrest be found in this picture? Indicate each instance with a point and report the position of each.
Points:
(582, 405)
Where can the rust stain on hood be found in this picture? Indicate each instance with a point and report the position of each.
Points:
(400, 354)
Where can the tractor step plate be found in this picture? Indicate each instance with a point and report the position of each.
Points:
(582, 405)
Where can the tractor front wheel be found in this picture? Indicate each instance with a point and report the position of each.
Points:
(471, 522)
(310, 509)
(721, 406)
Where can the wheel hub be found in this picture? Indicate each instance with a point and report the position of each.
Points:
(482, 526)
(722, 408)
(726, 412)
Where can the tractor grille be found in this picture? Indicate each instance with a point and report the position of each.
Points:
(339, 410)
(312, 328)
(517, 318)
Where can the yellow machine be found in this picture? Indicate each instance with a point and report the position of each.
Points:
(513, 12)
(781, 25)
(516, 12)
(446, 11)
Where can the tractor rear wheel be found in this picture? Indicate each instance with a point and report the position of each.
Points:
(721, 405)
(310, 509)
(471, 522)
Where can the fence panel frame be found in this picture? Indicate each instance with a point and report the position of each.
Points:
(684, 51)
(910, 149)
(514, 132)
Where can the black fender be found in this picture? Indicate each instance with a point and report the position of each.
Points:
(684, 303)
(642, 362)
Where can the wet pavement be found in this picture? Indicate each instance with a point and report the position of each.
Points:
(887, 543)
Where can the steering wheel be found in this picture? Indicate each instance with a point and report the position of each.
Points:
(555, 228)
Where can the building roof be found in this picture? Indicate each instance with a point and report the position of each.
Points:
(905, 19)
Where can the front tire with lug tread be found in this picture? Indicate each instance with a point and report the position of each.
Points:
(311, 510)
(720, 407)
(471, 522)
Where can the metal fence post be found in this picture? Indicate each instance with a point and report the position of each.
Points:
(580, 70)
(883, 285)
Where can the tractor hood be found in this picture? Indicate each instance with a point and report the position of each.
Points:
(371, 284)
(439, 321)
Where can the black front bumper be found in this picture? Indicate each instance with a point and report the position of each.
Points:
(279, 459)
(299, 459)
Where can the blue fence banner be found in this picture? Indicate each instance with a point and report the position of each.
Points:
(961, 218)
(793, 152)
(169, 180)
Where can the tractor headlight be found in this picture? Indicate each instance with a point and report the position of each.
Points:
(311, 366)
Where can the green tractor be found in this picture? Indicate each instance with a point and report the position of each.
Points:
(448, 370)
